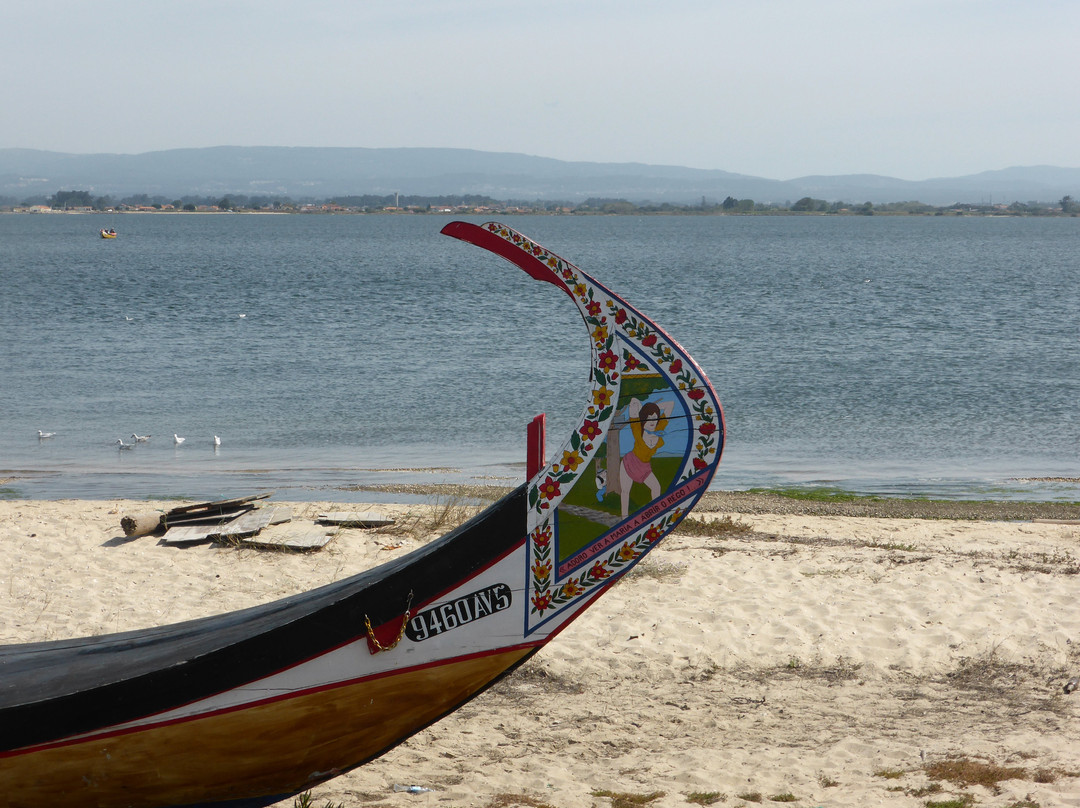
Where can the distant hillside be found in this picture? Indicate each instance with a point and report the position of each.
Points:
(320, 173)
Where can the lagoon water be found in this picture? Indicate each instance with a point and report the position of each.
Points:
(931, 356)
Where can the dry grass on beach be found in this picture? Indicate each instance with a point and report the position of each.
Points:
(847, 653)
(827, 504)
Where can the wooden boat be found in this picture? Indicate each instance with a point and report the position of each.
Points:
(251, 707)
(108, 233)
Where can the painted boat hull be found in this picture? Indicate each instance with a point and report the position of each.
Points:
(250, 707)
(263, 703)
(337, 729)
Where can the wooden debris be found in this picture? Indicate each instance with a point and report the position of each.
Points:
(206, 518)
(251, 522)
(219, 506)
(245, 521)
(184, 535)
(296, 536)
(141, 524)
(355, 519)
(204, 513)
(280, 514)
(248, 523)
(208, 512)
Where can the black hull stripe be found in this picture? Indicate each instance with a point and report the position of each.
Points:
(266, 700)
(50, 691)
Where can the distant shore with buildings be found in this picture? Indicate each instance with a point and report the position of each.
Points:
(86, 202)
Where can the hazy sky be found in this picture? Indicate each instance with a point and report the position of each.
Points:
(774, 88)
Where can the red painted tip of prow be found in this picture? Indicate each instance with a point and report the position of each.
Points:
(485, 239)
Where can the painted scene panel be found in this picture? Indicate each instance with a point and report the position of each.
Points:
(638, 462)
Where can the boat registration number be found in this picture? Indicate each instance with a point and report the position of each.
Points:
(458, 612)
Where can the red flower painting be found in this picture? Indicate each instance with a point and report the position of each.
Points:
(589, 430)
(549, 488)
(541, 601)
(599, 571)
(542, 536)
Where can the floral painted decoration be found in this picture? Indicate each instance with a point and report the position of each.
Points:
(623, 342)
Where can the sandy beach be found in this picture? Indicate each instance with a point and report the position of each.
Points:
(771, 651)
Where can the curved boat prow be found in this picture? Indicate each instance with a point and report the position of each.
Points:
(643, 453)
(250, 707)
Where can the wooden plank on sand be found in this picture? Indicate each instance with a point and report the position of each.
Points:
(355, 519)
(297, 536)
(219, 506)
(250, 523)
(189, 534)
(207, 517)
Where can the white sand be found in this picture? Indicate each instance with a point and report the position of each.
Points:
(810, 658)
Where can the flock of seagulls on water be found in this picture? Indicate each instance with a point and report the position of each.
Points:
(135, 439)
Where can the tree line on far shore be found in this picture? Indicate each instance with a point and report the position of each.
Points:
(376, 203)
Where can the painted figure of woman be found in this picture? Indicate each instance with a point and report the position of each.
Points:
(646, 421)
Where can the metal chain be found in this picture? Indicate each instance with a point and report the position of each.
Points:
(401, 633)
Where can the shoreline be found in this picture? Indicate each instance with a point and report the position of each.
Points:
(965, 209)
(890, 507)
(789, 501)
(761, 502)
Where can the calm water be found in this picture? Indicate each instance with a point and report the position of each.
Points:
(936, 356)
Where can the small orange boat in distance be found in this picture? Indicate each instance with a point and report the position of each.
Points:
(110, 233)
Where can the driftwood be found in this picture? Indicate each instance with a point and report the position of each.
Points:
(242, 520)
(202, 513)
(227, 527)
(141, 524)
(209, 512)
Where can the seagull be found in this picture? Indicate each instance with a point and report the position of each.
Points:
(43, 435)
(121, 445)
(140, 438)
(176, 439)
(217, 440)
